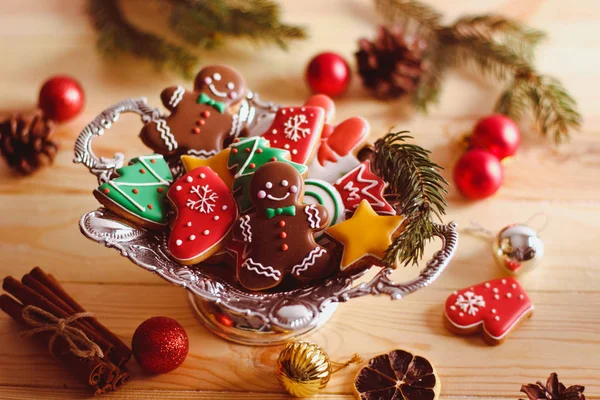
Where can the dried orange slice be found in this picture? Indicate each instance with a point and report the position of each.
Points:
(397, 375)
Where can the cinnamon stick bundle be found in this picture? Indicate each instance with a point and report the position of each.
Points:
(63, 325)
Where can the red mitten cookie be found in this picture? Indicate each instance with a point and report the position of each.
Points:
(339, 140)
(494, 307)
(361, 184)
(279, 235)
(206, 211)
(298, 130)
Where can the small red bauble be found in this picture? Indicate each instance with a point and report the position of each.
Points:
(160, 345)
(329, 74)
(478, 174)
(61, 98)
(497, 134)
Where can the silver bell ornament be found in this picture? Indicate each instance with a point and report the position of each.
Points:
(518, 248)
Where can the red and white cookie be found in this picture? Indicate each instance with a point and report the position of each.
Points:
(298, 130)
(206, 211)
(361, 184)
(493, 307)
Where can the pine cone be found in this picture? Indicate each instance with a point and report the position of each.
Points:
(25, 143)
(554, 390)
(392, 65)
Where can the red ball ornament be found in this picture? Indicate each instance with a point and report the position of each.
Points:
(478, 174)
(160, 345)
(329, 74)
(497, 134)
(61, 98)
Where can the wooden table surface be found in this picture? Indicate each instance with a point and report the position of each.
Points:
(39, 214)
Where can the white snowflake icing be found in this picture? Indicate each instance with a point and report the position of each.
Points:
(293, 129)
(206, 199)
(470, 302)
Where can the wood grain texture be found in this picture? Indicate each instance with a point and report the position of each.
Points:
(39, 214)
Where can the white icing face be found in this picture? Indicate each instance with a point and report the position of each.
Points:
(261, 194)
(229, 86)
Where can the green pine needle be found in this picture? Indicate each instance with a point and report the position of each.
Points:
(401, 11)
(200, 24)
(419, 189)
(500, 49)
(510, 33)
(492, 60)
(116, 35)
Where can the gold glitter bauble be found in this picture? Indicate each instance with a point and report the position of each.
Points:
(303, 368)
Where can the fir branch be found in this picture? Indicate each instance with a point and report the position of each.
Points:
(516, 36)
(514, 100)
(116, 35)
(396, 11)
(430, 87)
(419, 192)
(493, 60)
(200, 22)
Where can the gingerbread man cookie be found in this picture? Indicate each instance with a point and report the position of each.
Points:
(200, 122)
(494, 307)
(279, 235)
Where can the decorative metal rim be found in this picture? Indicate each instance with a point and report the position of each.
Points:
(146, 249)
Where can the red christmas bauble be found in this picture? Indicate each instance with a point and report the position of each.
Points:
(497, 134)
(478, 174)
(61, 98)
(160, 345)
(329, 74)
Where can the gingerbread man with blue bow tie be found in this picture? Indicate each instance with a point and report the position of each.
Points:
(279, 234)
(200, 122)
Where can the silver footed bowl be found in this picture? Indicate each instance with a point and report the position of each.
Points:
(253, 318)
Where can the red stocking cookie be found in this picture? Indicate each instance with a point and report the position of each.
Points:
(361, 184)
(279, 235)
(494, 307)
(199, 122)
(206, 211)
(298, 130)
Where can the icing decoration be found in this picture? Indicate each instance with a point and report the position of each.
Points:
(365, 234)
(248, 155)
(204, 99)
(297, 129)
(279, 234)
(218, 163)
(139, 190)
(337, 141)
(313, 216)
(206, 211)
(198, 121)
(494, 307)
(320, 192)
(361, 184)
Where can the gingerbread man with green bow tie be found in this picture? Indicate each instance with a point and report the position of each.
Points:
(279, 235)
(200, 121)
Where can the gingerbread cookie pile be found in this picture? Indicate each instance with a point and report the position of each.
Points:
(289, 203)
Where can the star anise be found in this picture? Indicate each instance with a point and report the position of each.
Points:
(553, 390)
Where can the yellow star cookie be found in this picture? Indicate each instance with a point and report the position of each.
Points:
(217, 163)
(366, 233)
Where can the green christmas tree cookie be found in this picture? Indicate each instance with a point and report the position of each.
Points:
(249, 154)
(138, 193)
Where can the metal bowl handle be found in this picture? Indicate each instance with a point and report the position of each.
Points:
(103, 167)
(382, 284)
